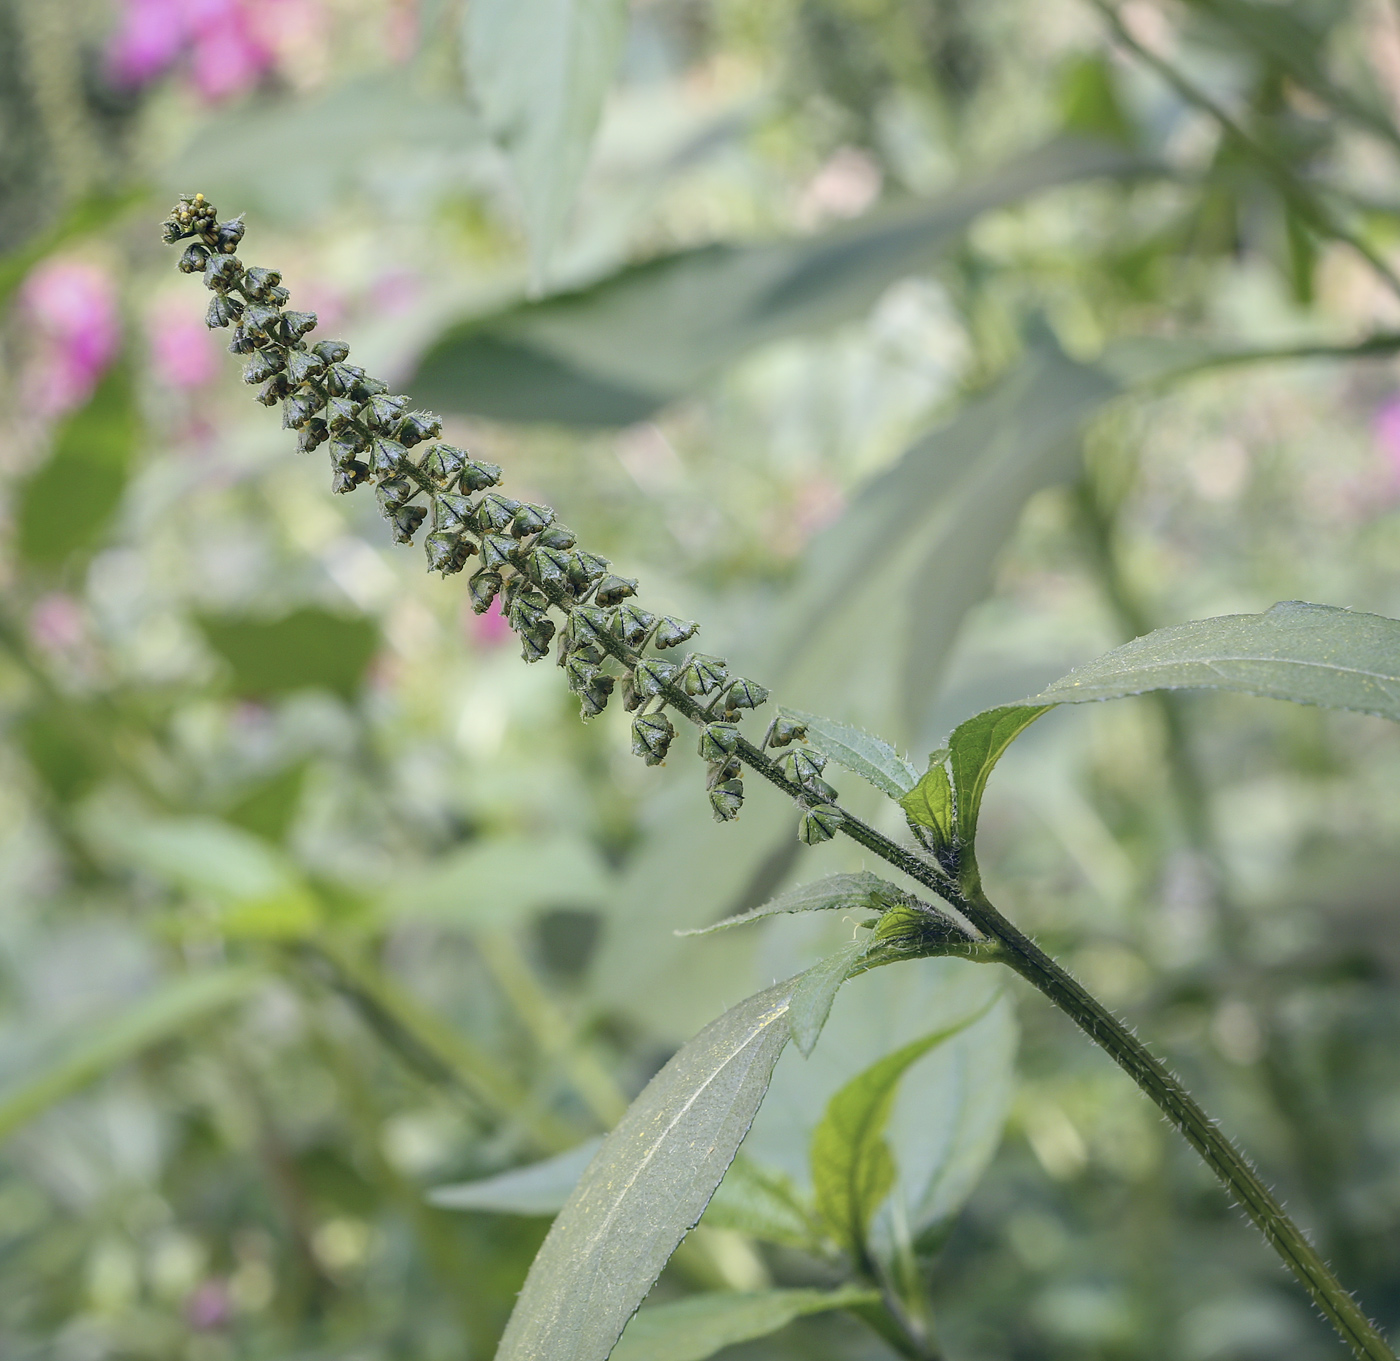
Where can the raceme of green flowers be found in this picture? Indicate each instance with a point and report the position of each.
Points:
(527, 558)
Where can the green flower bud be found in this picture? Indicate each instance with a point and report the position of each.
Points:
(726, 798)
(819, 824)
(612, 590)
(222, 272)
(384, 413)
(496, 550)
(223, 311)
(495, 512)
(297, 324)
(652, 735)
(581, 673)
(447, 551)
(258, 283)
(451, 512)
(262, 366)
(482, 586)
(557, 536)
(632, 624)
(394, 492)
(301, 365)
(331, 351)
(672, 631)
(263, 324)
(702, 675)
(584, 570)
(274, 389)
(785, 731)
(592, 622)
(406, 522)
(193, 260)
(341, 378)
(718, 741)
(530, 520)
(418, 426)
(802, 766)
(819, 789)
(311, 435)
(534, 646)
(720, 771)
(477, 475)
(385, 456)
(745, 694)
(300, 407)
(547, 566)
(649, 676)
(227, 235)
(241, 341)
(594, 700)
(349, 475)
(443, 462)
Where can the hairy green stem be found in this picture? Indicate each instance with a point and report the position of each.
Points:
(1022, 954)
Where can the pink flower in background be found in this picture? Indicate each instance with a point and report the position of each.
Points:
(230, 44)
(1385, 427)
(183, 353)
(73, 305)
(151, 35)
(487, 630)
(56, 622)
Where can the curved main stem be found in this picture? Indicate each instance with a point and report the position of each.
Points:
(1023, 955)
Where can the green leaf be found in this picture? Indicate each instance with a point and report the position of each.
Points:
(1278, 34)
(694, 1328)
(1308, 654)
(539, 1189)
(930, 802)
(612, 353)
(763, 1203)
(883, 592)
(872, 758)
(647, 1186)
(974, 748)
(859, 892)
(1089, 100)
(499, 880)
(539, 70)
(67, 503)
(852, 1166)
(167, 1012)
(309, 648)
(949, 1113)
(811, 1003)
(260, 893)
(268, 809)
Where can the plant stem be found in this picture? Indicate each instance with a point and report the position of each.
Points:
(1303, 200)
(1022, 954)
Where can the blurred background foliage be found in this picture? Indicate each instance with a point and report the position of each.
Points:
(855, 345)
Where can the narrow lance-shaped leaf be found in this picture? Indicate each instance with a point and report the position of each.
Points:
(763, 1203)
(811, 1003)
(1305, 653)
(170, 1010)
(538, 1189)
(852, 1167)
(692, 1329)
(647, 1186)
(859, 892)
(539, 70)
(872, 758)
